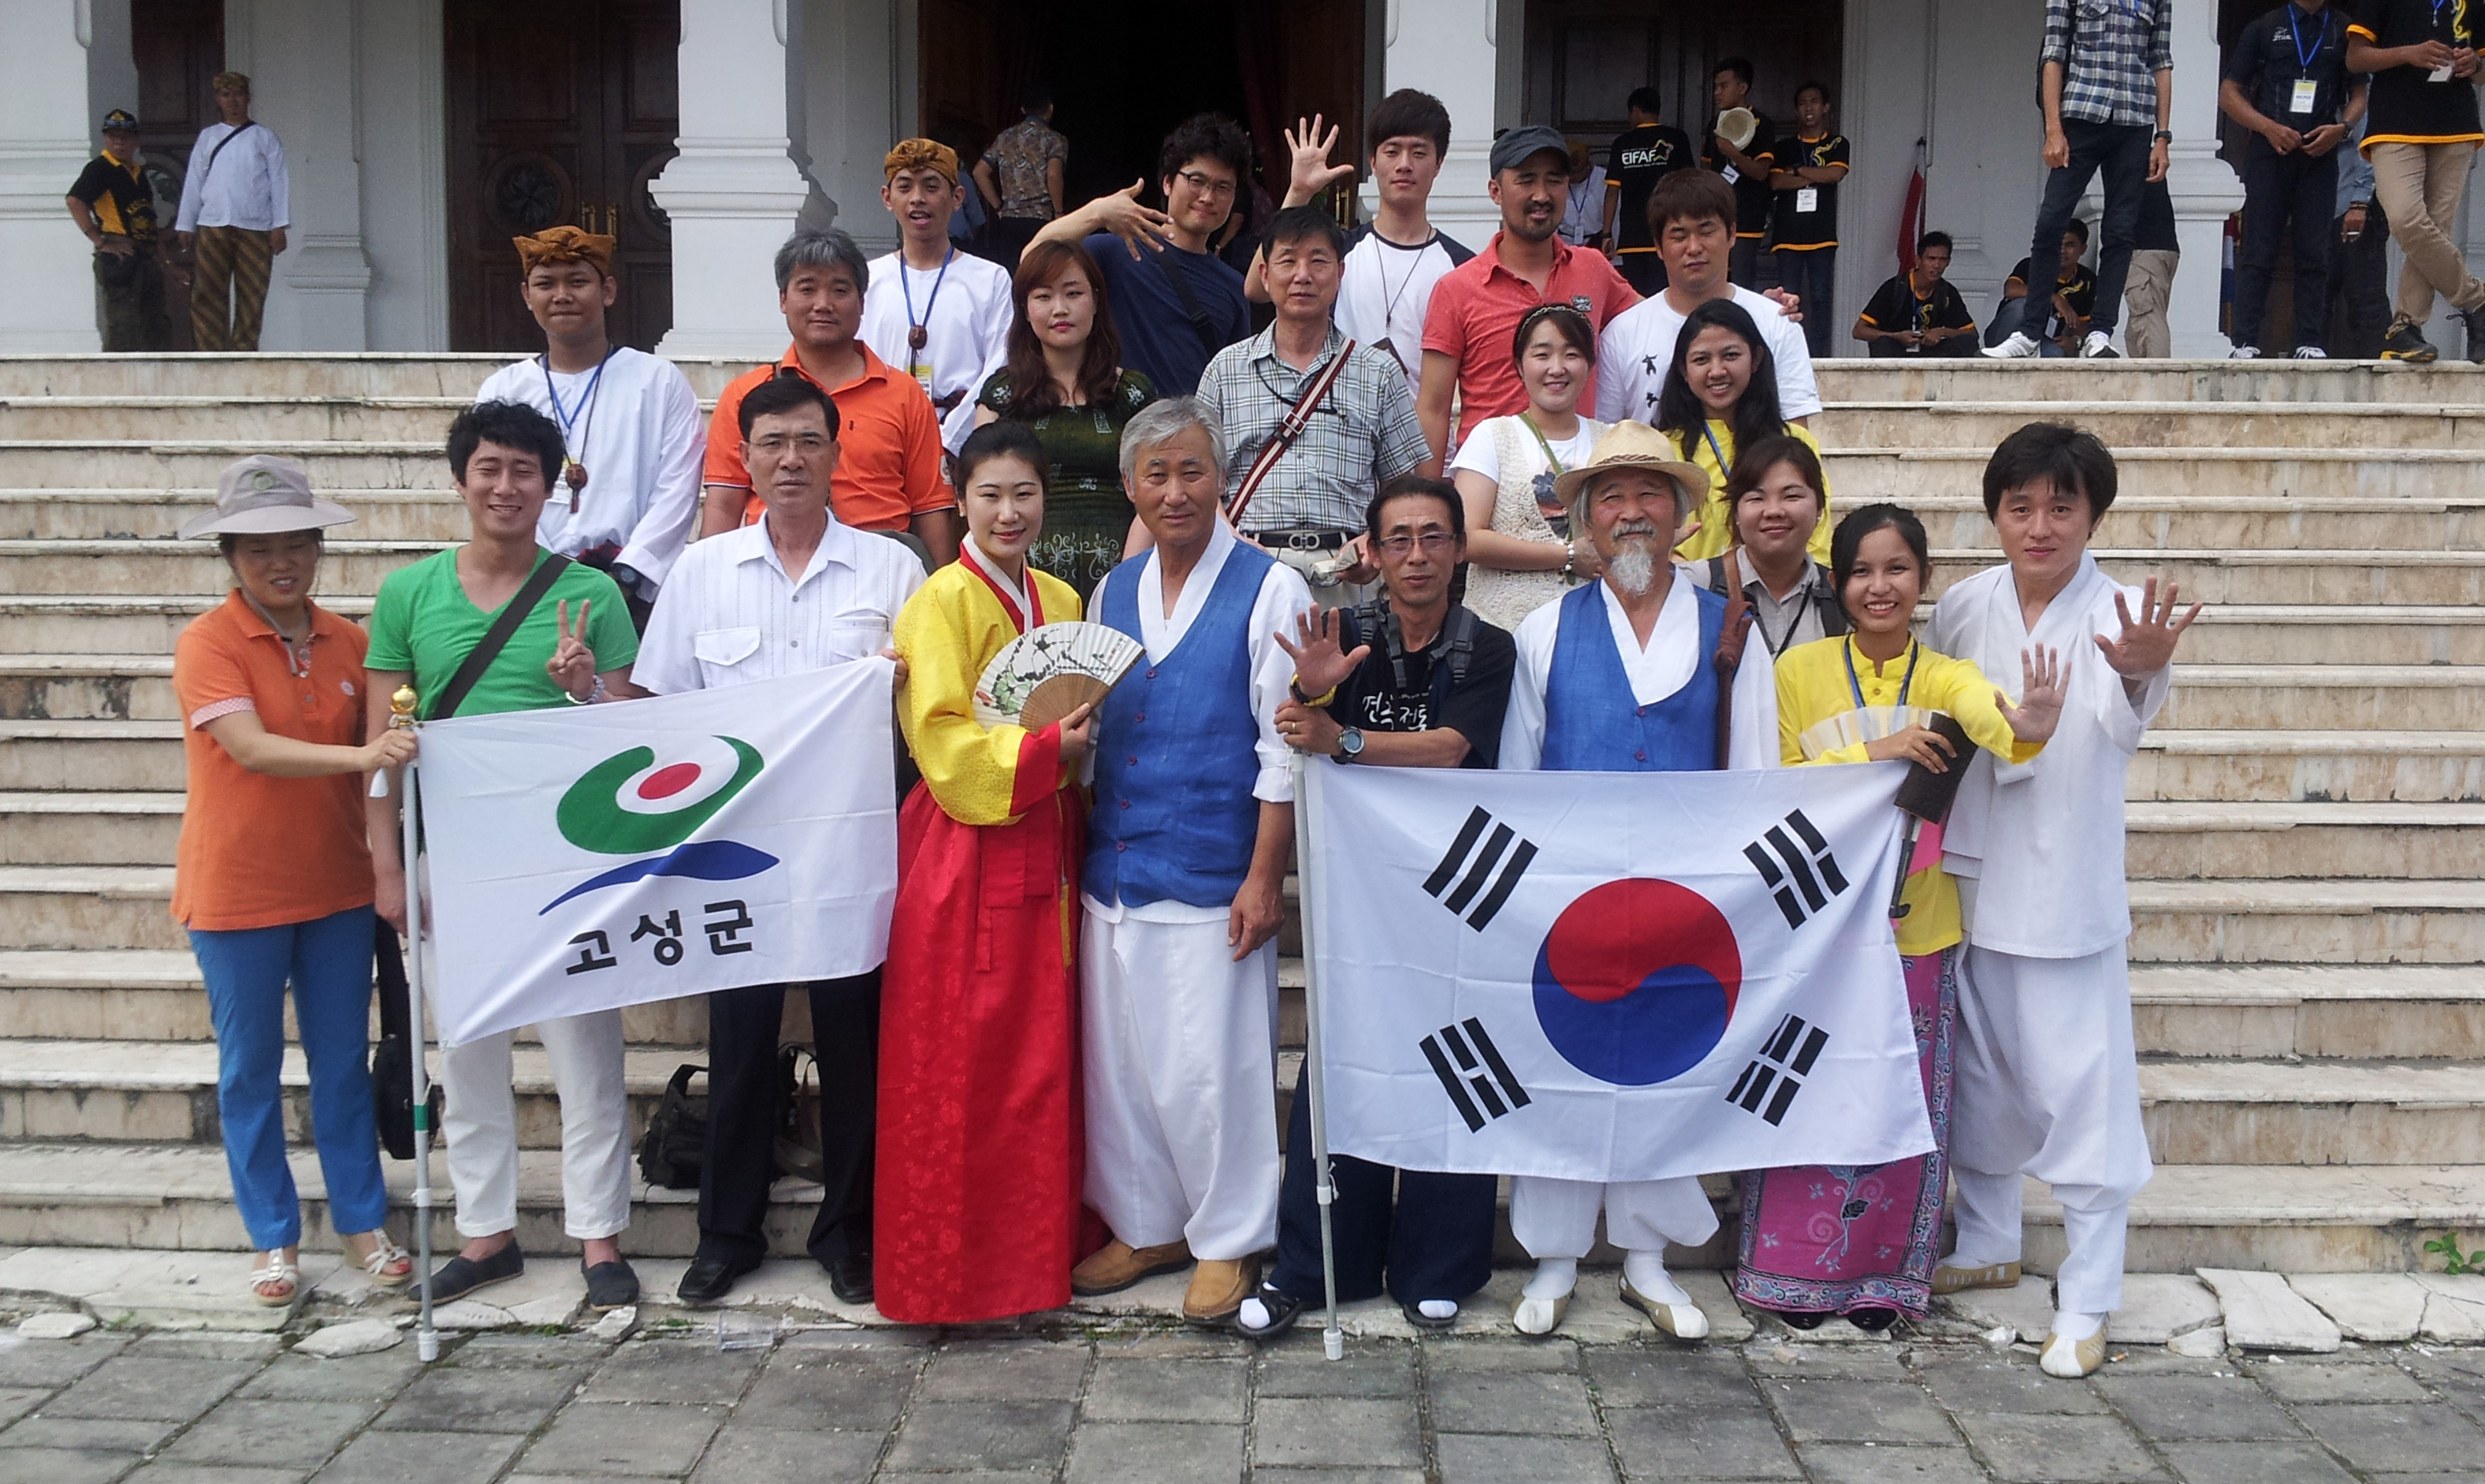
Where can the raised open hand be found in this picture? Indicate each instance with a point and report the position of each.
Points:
(2044, 675)
(1136, 224)
(1319, 666)
(2148, 643)
(572, 666)
(1311, 171)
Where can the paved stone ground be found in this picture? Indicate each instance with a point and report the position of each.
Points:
(1168, 1406)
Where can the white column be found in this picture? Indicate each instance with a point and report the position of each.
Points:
(45, 121)
(1449, 50)
(305, 87)
(732, 193)
(2203, 186)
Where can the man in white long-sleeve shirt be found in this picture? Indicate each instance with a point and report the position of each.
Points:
(937, 313)
(234, 209)
(2046, 1081)
(628, 494)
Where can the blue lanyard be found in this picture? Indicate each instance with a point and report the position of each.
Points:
(1855, 684)
(930, 300)
(2294, 22)
(585, 398)
(1722, 467)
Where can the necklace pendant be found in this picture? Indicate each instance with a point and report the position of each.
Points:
(917, 337)
(573, 474)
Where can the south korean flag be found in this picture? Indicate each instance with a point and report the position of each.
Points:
(1610, 977)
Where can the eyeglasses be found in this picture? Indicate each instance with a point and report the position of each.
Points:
(1204, 185)
(775, 444)
(1435, 543)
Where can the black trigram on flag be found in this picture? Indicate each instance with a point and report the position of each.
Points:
(1477, 866)
(1809, 868)
(1792, 1047)
(1480, 1085)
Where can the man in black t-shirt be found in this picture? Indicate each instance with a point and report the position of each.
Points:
(113, 204)
(1805, 170)
(2288, 84)
(2421, 138)
(1412, 680)
(1643, 155)
(1746, 167)
(1918, 313)
(2055, 321)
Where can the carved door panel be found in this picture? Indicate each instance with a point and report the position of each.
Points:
(178, 46)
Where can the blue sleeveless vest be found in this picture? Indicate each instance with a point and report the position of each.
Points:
(1176, 751)
(1590, 725)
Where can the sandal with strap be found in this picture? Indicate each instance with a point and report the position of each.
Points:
(276, 1271)
(386, 1254)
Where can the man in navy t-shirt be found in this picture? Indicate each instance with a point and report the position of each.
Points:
(1175, 303)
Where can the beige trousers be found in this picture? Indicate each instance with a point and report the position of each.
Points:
(2419, 187)
(2146, 295)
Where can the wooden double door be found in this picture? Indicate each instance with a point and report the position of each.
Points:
(560, 111)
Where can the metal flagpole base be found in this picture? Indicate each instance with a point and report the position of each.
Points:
(1332, 1334)
(427, 1336)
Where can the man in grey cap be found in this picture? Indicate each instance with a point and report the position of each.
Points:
(1477, 305)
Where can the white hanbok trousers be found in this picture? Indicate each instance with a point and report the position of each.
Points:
(481, 1122)
(2046, 1083)
(1180, 1066)
(1558, 1217)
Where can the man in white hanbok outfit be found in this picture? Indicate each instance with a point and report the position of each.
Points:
(2046, 1081)
(1187, 853)
(935, 311)
(1619, 677)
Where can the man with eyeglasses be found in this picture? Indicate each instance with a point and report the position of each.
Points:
(1412, 680)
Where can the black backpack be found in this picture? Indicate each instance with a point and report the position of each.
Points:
(392, 1059)
(673, 1151)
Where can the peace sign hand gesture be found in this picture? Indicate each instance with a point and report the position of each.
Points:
(2148, 643)
(1319, 665)
(2044, 677)
(572, 666)
(1312, 173)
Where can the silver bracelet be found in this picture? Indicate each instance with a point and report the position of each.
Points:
(592, 696)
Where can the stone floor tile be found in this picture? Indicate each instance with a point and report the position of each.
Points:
(1168, 1391)
(680, 1371)
(2385, 1307)
(861, 1389)
(1521, 1402)
(1628, 1376)
(155, 1388)
(93, 1434)
(53, 1363)
(1296, 1367)
(603, 1438)
(1017, 1372)
(2454, 1307)
(1468, 1458)
(2197, 1406)
(287, 1434)
(486, 1399)
(1337, 1476)
(2157, 1307)
(2056, 1449)
(744, 1454)
(2255, 1463)
(16, 1401)
(1873, 1359)
(1878, 1412)
(982, 1434)
(1860, 1463)
(2028, 1309)
(1550, 1354)
(167, 1472)
(418, 1458)
(1326, 1432)
(2263, 1313)
(63, 1466)
(2369, 1381)
(205, 1345)
(346, 1378)
(2396, 1436)
(2006, 1384)
(1671, 1444)
(1159, 1452)
(531, 1350)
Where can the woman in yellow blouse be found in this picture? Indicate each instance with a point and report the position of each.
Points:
(978, 1169)
(1830, 1240)
(1720, 392)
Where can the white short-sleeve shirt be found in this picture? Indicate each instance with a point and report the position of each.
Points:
(1637, 350)
(730, 612)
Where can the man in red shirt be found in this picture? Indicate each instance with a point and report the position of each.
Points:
(1477, 305)
(888, 472)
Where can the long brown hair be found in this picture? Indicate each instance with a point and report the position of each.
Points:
(1032, 393)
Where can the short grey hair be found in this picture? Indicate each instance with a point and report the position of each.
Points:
(822, 250)
(1161, 422)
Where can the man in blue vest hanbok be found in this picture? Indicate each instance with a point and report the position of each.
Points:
(1187, 852)
(1620, 676)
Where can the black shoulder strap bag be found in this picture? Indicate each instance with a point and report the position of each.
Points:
(488, 649)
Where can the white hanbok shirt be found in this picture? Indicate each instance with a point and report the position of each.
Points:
(1283, 597)
(1637, 350)
(731, 612)
(966, 326)
(2042, 841)
(247, 188)
(1665, 666)
(642, 438)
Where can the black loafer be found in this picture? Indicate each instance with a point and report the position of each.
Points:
(1423, 1321)
(1872, 1321)
(461, 1276)
(1801, 1319)
(610, 1285)
(850, 1277)
(1283, 1309)
(710, 1278)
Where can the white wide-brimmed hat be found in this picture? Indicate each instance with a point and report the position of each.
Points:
(1738, 126)
(263, 494)
(1633, 444)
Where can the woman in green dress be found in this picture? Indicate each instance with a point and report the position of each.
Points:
(1065, 382)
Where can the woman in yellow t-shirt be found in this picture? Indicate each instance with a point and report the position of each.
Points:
(1820, 1241)
(1721, 393)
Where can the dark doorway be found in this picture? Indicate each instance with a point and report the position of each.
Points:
(179, 48)
(1584, 57)
(560, 111)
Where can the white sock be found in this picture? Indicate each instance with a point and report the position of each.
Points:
(1646, 1273)
(1438, 1309)
(1254, 1314)
(2076, 1327)
(1555, 1278)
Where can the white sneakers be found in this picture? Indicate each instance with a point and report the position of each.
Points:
(2244, 353)
(2310, 353)
(2099, 346)
(2017, 346)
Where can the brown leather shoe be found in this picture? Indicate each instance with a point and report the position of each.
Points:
(1118, 1265)
(1219, 1285)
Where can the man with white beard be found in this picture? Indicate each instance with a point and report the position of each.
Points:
(1621, 677)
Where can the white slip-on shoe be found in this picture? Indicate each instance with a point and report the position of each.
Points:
(2069, 1360)
(1539, 1316)
(1682, 1321)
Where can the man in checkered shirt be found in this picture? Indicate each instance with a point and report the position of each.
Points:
(1307, 509)
(2108, 90)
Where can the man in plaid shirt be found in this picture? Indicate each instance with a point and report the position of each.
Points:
(2108, 90)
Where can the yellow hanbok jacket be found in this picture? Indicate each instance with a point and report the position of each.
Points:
(948, 631)
(1716, 530)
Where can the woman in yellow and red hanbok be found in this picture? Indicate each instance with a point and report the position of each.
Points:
(976, 1195)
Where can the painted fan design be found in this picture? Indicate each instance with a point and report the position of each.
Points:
(1044, 674)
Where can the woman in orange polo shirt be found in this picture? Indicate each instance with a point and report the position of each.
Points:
(274, 871)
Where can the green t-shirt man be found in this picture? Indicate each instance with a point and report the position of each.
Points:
(423, 622)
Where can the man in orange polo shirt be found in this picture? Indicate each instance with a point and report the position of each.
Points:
(888, 475)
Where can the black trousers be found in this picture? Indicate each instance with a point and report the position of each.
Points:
(743, 1026)
(2358, 286)
(1955, 346)
(2121, 152)
(1434, 1241)
(2283, 191)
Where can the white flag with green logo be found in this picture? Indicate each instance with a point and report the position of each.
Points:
(592, 857)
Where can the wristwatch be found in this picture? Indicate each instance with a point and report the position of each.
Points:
(2165, 136)
(1349, 744)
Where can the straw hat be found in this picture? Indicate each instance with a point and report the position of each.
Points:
(1636, 446)
(1737, 125)
(263, 494)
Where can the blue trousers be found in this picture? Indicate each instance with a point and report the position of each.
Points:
(1434, 1241)
(1814, 276)
(2121, 153)
(328, 962)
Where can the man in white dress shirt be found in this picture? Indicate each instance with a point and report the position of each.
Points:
(2047, 1079)
(792, 592)
(1693, 215)
(629, 489)
(1187, 853)
(1620, 676)
(934, 311)
(234, 211)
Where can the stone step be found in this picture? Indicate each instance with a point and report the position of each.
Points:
(297, 374)
(2325, 698)
(88, 907)
(2231, 382)
(2275, 577)
(2421, 474)
(2254, 840)
(73, 568)
(89, 829)
(2312, 1112)
(55, 624)
(2289, 1218)
(2318, 634)
(2316, 921)
(297, 419)
(2300, 1010)
(172, 464)
(88, 755)
(2244, 520)
(2273, 766)
(1873, 425)
(87, 513)
(95, 687)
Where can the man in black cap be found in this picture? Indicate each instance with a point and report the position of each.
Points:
(114, 207)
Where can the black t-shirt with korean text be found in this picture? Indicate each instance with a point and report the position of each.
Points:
(1375, 698)
(1638, 160)
(1752, 191)
(2081, 291)
(2406, 105)
(1796, 229)
(124, 203)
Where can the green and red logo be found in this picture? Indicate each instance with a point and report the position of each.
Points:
(633, 803)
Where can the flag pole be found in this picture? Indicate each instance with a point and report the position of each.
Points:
(1311, 1082)
(427, 1338)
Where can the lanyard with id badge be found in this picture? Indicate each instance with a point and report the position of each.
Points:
(918, 333)
(2307, 93)
(2442, 74)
